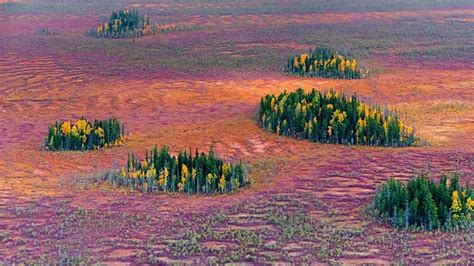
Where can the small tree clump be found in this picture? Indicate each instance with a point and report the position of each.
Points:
(324, 63)
(84, 135)
(201, 173)
(332, 117)
(131, 24)
(424, 203)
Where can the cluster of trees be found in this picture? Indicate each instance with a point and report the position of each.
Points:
(423, 203)
(125, 23)
(83, 135)
(332, 117)
(325, 63)
(201, 173)
(129, 24)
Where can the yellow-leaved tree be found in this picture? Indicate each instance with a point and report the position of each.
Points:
(455, 205)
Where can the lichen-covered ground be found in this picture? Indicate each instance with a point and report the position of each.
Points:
(202, 87)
